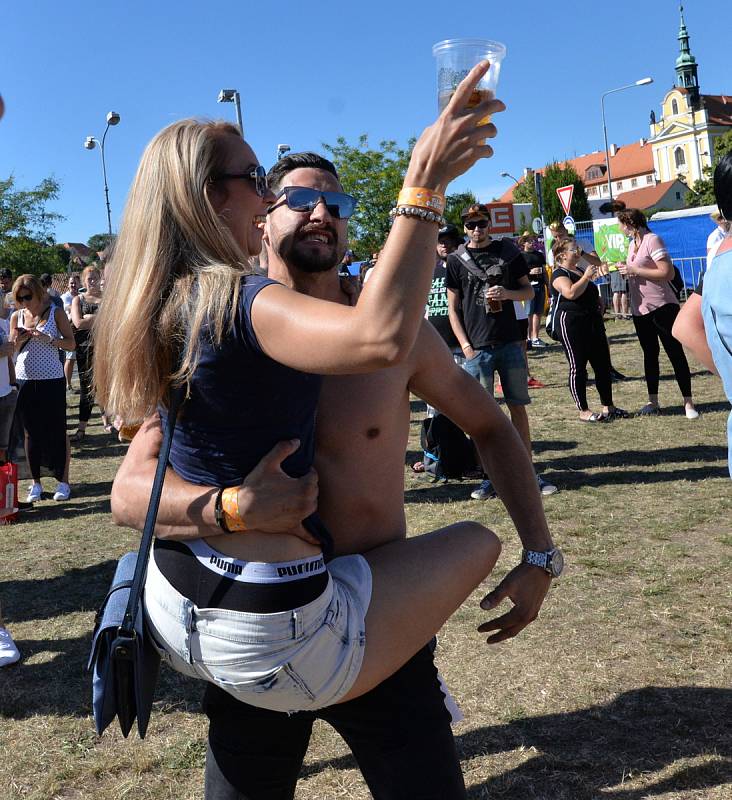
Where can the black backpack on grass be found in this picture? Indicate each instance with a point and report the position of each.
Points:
(449, 453)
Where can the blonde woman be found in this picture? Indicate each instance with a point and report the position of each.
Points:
(581, 330)
(39, 330)
(262, 615)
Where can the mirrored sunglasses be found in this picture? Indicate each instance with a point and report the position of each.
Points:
(302, 198)
(257, 174)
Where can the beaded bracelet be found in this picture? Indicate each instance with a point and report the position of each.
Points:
(232, 521)
(420, 197)
(418, 213)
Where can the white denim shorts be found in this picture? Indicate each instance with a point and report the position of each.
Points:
(296, 660)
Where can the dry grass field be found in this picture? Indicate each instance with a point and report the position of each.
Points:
(620, 690)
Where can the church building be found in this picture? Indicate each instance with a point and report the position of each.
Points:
(657, 172)
(682, 140)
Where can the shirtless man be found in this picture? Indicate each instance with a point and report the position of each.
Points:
(399, 732)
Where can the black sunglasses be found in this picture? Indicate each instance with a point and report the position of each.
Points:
(302, 198)
(23, 298)
(476, 223)
(257, 174)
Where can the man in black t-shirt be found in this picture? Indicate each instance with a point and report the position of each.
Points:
(536, 262)
(448, 240)
(483, 280)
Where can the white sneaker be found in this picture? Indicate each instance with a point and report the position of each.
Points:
(63, 492)
(691, 413)
(34, 493)
(9, 653)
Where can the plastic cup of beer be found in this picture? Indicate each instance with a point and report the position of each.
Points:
(456, 57)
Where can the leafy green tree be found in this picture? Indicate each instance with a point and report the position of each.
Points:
(23, 212)
(26, 228)
(374, 177)
(455, 204)
(556, 175)
(22, 254)
(99, 241)
(702, 191)
(524, 192)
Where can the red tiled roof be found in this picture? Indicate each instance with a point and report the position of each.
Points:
(78, 247)
(629, 161)
(719, 108)
(648, 196)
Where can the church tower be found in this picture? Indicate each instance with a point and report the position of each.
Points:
(686, 66)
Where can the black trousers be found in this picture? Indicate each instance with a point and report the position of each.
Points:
(657, 326)
(584, 340)
(84, 367)
(42, 409)
(399, 733)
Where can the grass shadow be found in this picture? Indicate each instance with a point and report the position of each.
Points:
(583, 754)
(59, 684)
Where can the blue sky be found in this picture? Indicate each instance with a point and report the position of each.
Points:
(309, 73)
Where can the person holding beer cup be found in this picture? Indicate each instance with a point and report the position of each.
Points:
(298, 631)
(581, 329)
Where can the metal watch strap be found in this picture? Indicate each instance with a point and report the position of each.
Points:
(536, 558)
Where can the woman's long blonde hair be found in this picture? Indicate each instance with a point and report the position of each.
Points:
(175, 267)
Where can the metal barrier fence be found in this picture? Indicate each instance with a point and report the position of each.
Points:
(691, 270)
(691, 267)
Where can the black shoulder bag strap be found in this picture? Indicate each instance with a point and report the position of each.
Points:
(128, 622)
(467, 260)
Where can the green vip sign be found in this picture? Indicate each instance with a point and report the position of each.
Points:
(611, 243)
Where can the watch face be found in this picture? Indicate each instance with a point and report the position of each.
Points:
(557, 562)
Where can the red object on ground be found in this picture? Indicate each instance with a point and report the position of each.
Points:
(8, 493)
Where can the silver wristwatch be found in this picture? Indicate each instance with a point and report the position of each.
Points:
(550, 560)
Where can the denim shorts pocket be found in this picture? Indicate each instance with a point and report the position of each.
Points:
(281, 680)
(336, 622)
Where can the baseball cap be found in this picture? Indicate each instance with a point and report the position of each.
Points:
(450, 231)
(476, 210)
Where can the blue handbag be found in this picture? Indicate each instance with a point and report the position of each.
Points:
(123, 658)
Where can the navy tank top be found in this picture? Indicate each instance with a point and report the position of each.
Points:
(241, 403)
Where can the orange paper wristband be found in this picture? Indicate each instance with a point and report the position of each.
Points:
(422, 198)
(230, 505)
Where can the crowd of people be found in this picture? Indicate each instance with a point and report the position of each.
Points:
(294, 593)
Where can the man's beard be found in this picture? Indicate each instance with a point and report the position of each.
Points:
(309, 260)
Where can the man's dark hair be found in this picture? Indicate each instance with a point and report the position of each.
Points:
(297, 161)
(46, 280)
(723, 186)
(6, 274)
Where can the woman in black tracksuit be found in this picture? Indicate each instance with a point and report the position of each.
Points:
(581, 330)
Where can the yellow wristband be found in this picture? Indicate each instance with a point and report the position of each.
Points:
(422, 198)
(230, 506)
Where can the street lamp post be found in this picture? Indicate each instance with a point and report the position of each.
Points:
(282, 150)
(508, 175)
(90, 143)
(232, 96)
(641, 82)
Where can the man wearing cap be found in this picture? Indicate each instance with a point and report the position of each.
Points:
(484, 277)
(448, 240)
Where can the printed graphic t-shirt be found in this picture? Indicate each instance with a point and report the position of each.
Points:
(437, 306)
(485, 329)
